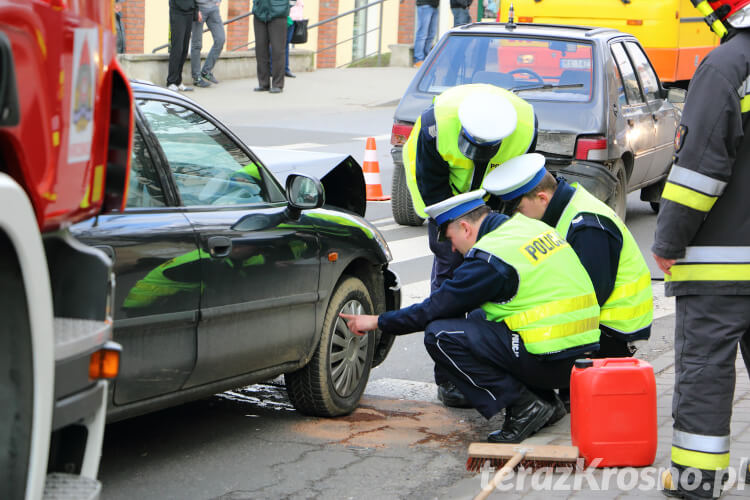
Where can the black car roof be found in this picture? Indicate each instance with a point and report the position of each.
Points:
(535, 29)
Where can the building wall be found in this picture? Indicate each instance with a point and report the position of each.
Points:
(146, 25)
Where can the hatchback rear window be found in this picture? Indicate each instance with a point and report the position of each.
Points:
(549, 69)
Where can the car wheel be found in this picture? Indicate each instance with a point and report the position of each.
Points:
(618, 200)
(654, 206)
(401, 204)
(332, 382)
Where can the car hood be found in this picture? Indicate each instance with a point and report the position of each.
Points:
(340, 174)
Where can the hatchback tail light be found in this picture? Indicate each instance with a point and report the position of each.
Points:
(400, 133)
(591, 148)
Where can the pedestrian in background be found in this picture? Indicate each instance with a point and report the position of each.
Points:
(295, 14)
(119, 28)
(270, 28)
(460, 9)
(182, 13)
(427, 22)
(211, 15)
(702, 244)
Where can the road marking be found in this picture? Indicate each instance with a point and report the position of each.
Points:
(396, 388)
(380, 221)
(389, 227)
(377, 137)
(409, 248)
(299, 145)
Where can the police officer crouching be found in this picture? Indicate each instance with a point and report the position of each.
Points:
(603, 243)
(532, 311)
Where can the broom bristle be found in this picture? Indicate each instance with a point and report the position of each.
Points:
(536, 456)
(475, 464)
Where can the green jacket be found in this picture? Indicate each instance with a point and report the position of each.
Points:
(266, 10)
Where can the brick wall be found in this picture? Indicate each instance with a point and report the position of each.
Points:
(407, 9)
(237, 32)
(133, 13)
(327, 34)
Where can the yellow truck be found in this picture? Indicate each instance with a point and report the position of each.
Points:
(673, 32)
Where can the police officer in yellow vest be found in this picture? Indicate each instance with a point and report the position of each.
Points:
(466, 133)
(702, 243)
(532, 311)
(603, 243)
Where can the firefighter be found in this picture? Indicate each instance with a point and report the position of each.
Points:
(702, 244)
(603, 243)
(532, 311)
(467, 132)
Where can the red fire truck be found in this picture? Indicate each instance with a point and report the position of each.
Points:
(66, 114)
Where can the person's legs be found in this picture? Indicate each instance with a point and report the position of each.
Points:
(460, 16)
(708, 329)
(432, 31)
(262, 59)
(216, 26)
(180, 26)
(424, 17)
(446, 260)
(289, 33)
(196, 44)
(277, 37)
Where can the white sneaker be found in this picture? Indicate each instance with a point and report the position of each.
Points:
(183, 88)
(172, 87)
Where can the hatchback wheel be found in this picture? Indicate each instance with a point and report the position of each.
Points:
(618, 201)
(332, 382)
(401, 204)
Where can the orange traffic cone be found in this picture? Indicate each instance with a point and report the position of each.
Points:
(371, 170)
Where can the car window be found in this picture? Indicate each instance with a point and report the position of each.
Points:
(622, 100)
(513, 63)
(144, 189)
(649, 81)
(209, 168)
(632, 91)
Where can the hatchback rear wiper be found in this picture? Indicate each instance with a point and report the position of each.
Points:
(547, 86)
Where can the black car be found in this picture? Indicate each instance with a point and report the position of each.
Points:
(604, 117)
(224, 278)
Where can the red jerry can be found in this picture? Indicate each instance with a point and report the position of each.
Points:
(613, 411)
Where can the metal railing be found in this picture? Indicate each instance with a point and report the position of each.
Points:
(379, 29)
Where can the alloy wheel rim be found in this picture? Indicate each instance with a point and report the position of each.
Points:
(348, 352)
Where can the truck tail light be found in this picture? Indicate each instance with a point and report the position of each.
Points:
(105, 363)
(591, 148)
(400, 133)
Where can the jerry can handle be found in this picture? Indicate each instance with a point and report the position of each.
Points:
(621, 361)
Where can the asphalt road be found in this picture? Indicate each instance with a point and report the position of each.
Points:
(251, 443)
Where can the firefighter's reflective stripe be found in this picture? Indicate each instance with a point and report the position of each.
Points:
(744, 93)
(696, 181)
(709, 272)
(701, 442)
(712, 263)
(688, 197)
(700, 451)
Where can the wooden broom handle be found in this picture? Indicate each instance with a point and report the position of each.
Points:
(514, 460)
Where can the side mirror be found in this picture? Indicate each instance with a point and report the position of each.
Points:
(303, 193)
(676, 95)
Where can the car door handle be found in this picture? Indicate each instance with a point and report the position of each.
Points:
(219, 246)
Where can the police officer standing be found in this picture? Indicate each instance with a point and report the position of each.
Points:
(702, 244)
(603, 243)
(532, 311)
(467, 132)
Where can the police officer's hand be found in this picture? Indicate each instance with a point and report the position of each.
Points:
(360, 324)
(664, 264)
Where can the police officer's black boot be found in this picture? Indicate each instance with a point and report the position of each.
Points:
(524, 418)
(449, 394)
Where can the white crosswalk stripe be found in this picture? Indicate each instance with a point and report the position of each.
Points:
(409, 248)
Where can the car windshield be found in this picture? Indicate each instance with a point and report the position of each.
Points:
(551, 69)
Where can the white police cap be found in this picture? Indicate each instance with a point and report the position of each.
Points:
(487, 117)
(516, 176)
(452, 208)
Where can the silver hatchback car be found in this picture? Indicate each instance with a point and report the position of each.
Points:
(604, 118)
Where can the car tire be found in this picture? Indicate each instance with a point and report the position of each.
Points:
(618, 201)
(401, 204)
(332, 383)
(654, 206)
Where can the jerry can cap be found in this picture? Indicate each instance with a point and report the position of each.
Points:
(584, 363)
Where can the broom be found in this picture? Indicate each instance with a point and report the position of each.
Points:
(510, 455)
